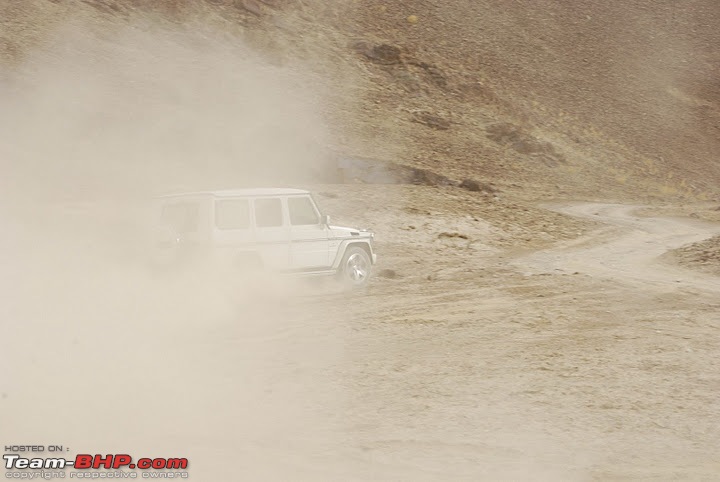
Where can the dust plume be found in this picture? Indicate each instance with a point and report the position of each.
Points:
(108, 356)
(134, 106)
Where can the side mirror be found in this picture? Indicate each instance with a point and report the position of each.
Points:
(325, 219)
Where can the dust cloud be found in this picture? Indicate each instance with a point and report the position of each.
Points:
(101, 354)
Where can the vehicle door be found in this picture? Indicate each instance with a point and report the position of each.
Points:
(309, 245)
(272, 232)
(233, 234)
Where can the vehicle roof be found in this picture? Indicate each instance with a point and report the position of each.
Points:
(252, 192)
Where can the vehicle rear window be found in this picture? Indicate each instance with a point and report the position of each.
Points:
(181, 217)
(232, 214)
(268, 213)
(302, 211)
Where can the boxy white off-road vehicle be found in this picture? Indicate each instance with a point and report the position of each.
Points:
(280, 230)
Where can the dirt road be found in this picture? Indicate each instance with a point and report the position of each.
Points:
(628, 249)
(589, 360)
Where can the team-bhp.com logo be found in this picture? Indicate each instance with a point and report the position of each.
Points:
(155, 467)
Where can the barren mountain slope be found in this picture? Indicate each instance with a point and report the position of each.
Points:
(545, 98)
(624, 84)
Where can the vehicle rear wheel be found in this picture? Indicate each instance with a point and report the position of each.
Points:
(355, 267)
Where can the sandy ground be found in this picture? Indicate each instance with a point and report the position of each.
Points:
(586, 360)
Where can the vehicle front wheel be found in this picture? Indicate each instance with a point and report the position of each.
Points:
(355, 267)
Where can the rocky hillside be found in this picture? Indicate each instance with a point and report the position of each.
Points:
(624, 94)
(541, 98)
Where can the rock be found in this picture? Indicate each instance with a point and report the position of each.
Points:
(433, 74)
(424, 177)
(470, 185)
(431, 120)
(383, 54)
(452, 235)
(414, 210)
(379, 172)
(522, 142)
(476, 186)
(388, 273)
(252, 6)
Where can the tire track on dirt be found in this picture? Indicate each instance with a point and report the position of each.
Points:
(631, 255)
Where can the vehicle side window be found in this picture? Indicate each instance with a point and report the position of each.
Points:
(181, 217)
(302, 211)
(232, 214)
(268, 213)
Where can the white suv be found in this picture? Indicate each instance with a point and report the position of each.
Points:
(276, 229)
